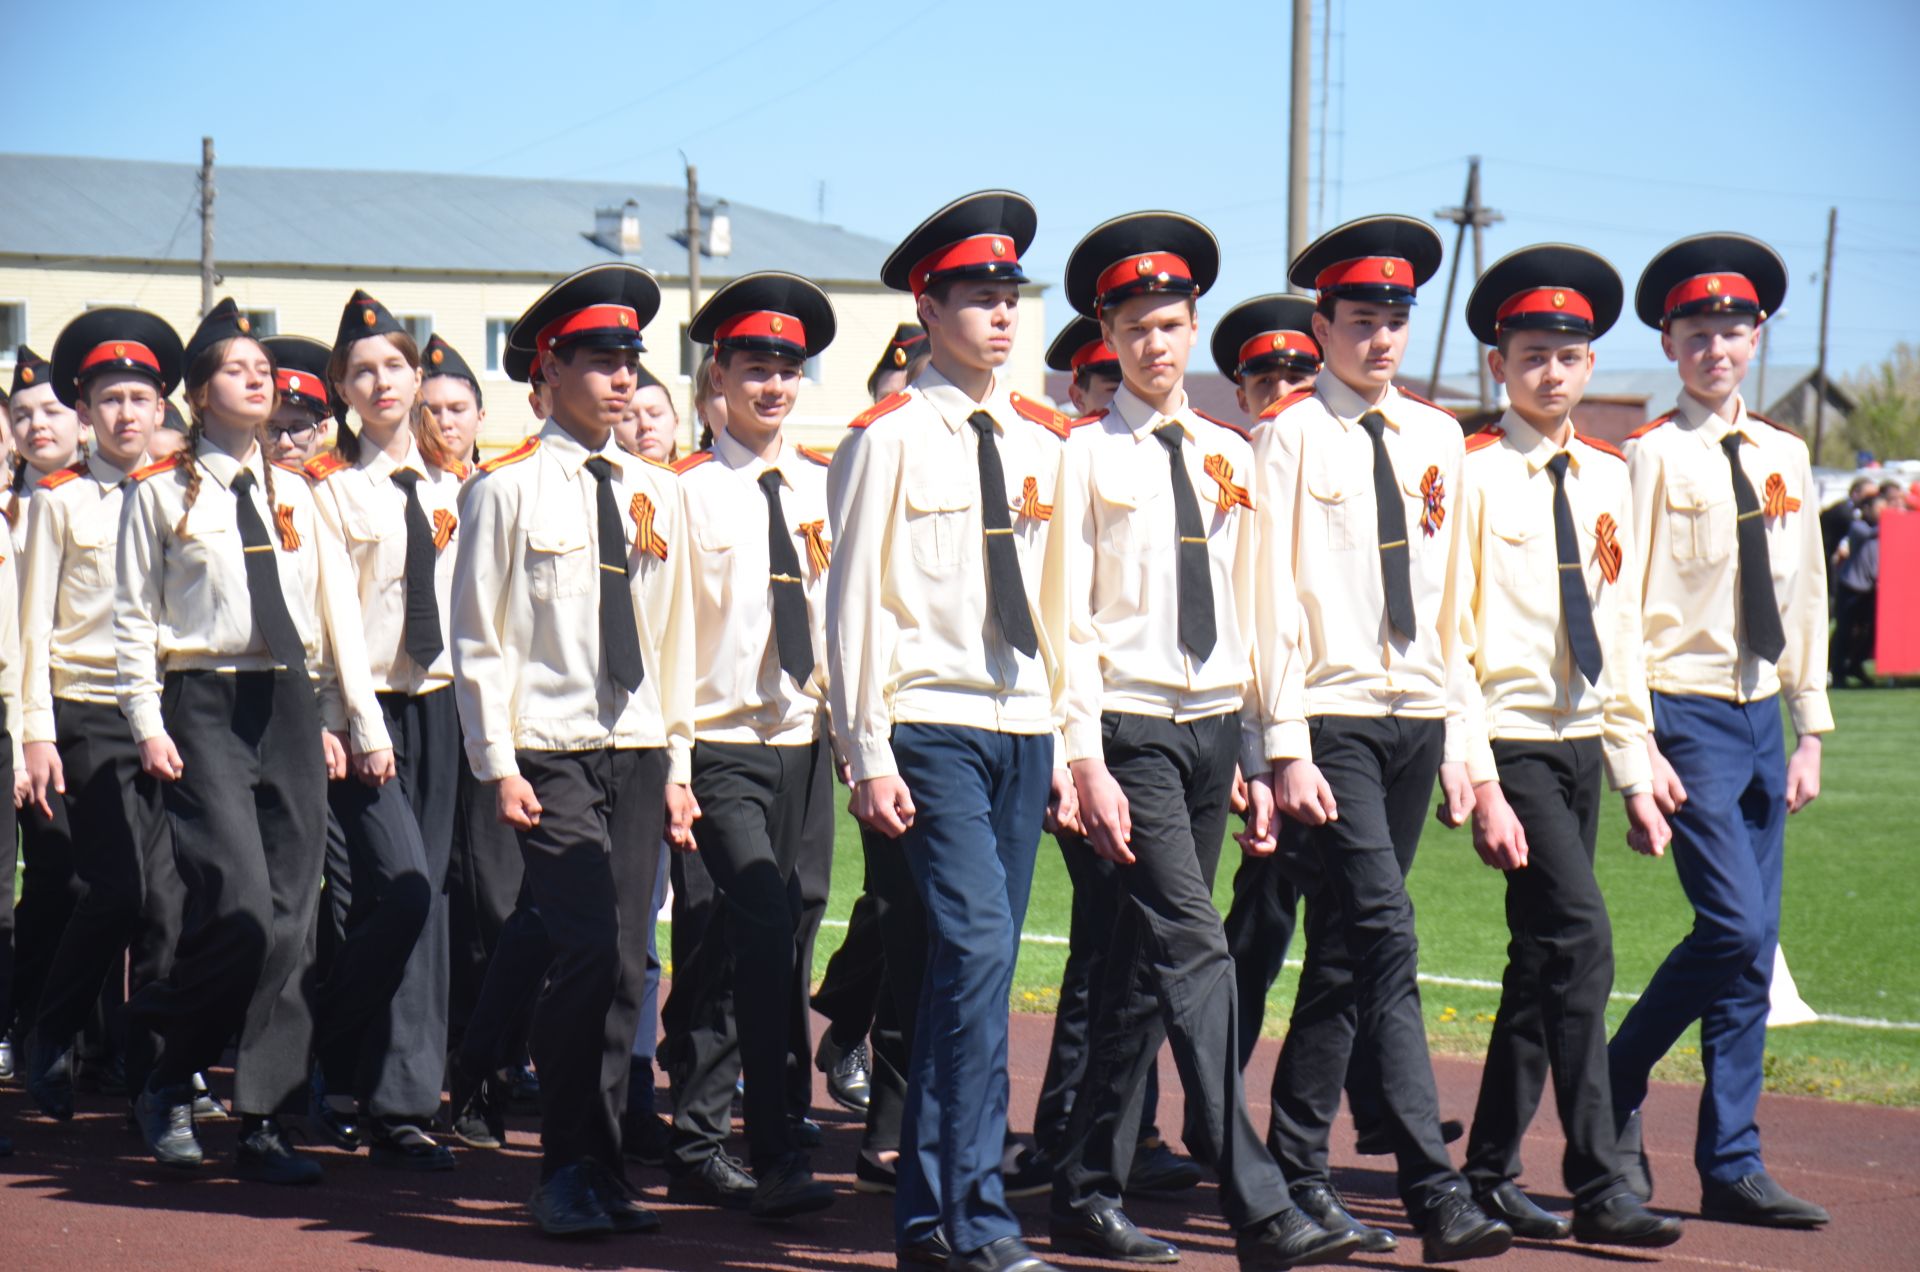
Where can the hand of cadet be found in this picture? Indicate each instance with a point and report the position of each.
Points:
(682, 811)
(1104, 811)
(1647, 831)
(515, 803)
(44, 773)
(22, 789)
(883, 803)
(1302, 793)
(1498, 836)
(333, 749)
(375, 768)
(1668, 794)
(1237, 799)
(1261, 836)
(1456, 795)
(1063, 805)
(1803, 773)
(160, 758)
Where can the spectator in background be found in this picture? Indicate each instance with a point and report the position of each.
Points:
(1893, 495)
(170, 438)
(1838, 518)
(1856, 578)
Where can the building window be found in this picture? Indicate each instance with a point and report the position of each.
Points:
(497, 329)
(419, 326)
(689, 352)
(263, 322)
(13, 327)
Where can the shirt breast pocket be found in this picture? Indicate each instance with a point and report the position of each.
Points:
(1521, 553)
(1700, 521)
(1120, 510)
(94, 541)
(937, 523)
(385, 547)
(559, 563)
(1336, 503)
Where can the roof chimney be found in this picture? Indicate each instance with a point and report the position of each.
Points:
(618, 229)
(720, 230)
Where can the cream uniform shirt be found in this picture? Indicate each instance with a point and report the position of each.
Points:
(10, 650)
(1686, 531)
(369, 512)
(911, 636)
(1124, 609)
(1325, 645)
(1525, 685)
(182, 601)
(66, 595)
(741, 694)
(525, 627)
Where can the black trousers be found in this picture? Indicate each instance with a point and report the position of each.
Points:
(1553, 997)
(1177, 779)
(856, 976)
(1853, 631)
(49, 889)
(1362, 956)
(589, 868)
(483, 886)
(9, 862)
(1260, 923)
(757, 805)
(123, 856)
(502, 1012)
(382, 1025)
(248, 820)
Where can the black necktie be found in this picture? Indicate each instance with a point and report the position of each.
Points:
(1575, 607)
(1392, 518)
(790, 634)
(1006, 591)
(1759, 610)
(1196, 578)
(263, 580)
(619, 633)
(422, 627)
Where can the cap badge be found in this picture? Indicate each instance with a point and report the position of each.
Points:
(366, 316)
(293, 384)
(999, 247)
(777, 324)
(119, 351)
(242, 323)
(1279, 341)
(439, 356)
(899, 357)
(621, 318)
(1145, 266)
(1559, 300)
(1386, 269)
(1713, 287)
(26, 375)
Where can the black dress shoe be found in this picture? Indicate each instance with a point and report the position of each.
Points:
(718, 1180)
(207, 1106)
(870, 1176)
(1633, 1158)
(334, 1126)
(644, 1138)
(616, 1198)
(930, 1251)
(1759, 1200)
(1375, 1141)
(50, 1076)
(1032, 1174)
(567, 1205)
(1505, 1202)
(788, 1189)
(165, 1120)
(1290, 1240)
(265, 1157)
(1622, 1221)
(404, 1146)
(1454, 1229)
(1108, 1234)
(1320, 1203)
(1159, 1171)
(849, 1074)
(805, 1131)
(1008, 1254)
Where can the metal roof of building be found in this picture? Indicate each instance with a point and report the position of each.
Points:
(69, 208)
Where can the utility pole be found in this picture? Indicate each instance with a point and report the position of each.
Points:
(1326, 81)
(1471, 214)
(693, 295)
(207, 277)
(1297, 134)
(1820, 375)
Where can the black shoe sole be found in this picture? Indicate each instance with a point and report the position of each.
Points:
(1093, 1247)
(1760, 1219)
(636, 1225)
(1489, 1245)
(1656, 1240)
(714, 1201)
(585, 1228)
(172, 1162)
(1339, 1250)
(427, 1164)
(810, 1204)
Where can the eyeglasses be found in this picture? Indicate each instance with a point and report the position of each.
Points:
(297, 433)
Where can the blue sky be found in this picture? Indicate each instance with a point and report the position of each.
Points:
(1621, 126)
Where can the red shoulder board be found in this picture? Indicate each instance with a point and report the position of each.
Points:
(1231, 428)
(1649, 426)
(889, 403)
(159, 466)
(1424, 402)
(1784, 428)
(1298, 395)
(285, 467)
(325, 465)
(819, 457)
(1485, 438)
(60, 477)
(1095, 418)
(1045, 416)
(513, 456)
(693, 461)
(1607, 448)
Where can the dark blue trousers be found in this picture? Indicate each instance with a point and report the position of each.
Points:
(979, 798)
(1728, 842)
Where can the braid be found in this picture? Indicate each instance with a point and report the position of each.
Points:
(266, 467)
(192, 470)
(17, 480)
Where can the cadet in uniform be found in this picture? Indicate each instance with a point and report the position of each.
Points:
(1735, 619)
(572, 639)
(1360, 676)
(1558, 691)
(299, 424)
(9, 713)
(452, 392)
(901, 363)
(945, 624)
(1083, 351)
(240, 663)
(1160, 631)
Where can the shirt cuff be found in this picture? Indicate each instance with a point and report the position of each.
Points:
(1628, 767)
(1811, 712)
(491, 763)
(38, 726)
(1289, 740)
(370, 735)
(143, 718)
(679, 764)
(1082, 742)
(873, 757)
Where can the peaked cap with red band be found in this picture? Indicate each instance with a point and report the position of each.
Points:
(1080, 347)
(1711, 274)
(114, 339)
(1546, 287)
(909, 342)
(300, 372)
(1265, 332)
(766, 312)
(977, 236)
(1378, 258)
(601, 307)
(521, 366)
(1138, 253)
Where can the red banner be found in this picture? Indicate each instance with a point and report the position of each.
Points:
(1897, 644)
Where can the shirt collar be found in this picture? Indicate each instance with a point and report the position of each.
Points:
(378, 465)
(1534, 446)
(571, 455)
(1348, 406)
(103, 471)
(1707, 424)
(223, 466)
(955, 406)
(729, 451)
(1141, 420)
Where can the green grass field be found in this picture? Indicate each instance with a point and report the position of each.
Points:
(1850, 924)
